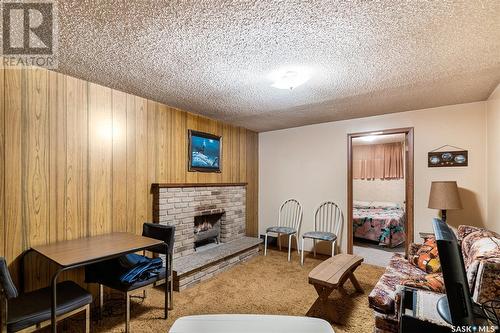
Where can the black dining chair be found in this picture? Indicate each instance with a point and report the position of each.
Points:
(156, 231)
(167, 234)
(31, 311)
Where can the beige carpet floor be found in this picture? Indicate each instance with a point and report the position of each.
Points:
(263, 285)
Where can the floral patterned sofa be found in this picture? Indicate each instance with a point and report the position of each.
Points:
(481, 252)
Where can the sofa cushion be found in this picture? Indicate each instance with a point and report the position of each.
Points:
(427, 258)
(281, 230)
(432, 282)
(382, 297)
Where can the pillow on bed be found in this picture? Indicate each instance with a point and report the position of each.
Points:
(362, 204)
(385, 205)
(427, 258)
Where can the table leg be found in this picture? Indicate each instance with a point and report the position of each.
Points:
(87, 318)
(101, 301)
(171, 285)
(321, 308)
(166, 280)
(127, 314)
(166, 297)
(53, 318)
(313, 310)
(3, 314)
(355, 282)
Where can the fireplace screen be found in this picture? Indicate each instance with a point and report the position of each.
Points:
(207, 228)
(203, 226)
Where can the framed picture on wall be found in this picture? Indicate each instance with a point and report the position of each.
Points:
(437, 159)
(205, 152)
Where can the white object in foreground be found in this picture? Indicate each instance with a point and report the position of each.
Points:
(236, 323)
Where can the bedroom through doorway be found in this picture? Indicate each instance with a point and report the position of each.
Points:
(380, 194)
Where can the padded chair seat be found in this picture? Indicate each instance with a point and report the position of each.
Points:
(282, 230)
(34, 307)
(321, 235)
(117, 285)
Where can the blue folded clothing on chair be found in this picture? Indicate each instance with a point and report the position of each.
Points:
(127, 269)
(140, 268)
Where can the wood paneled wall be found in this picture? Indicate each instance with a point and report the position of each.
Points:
(79, 160)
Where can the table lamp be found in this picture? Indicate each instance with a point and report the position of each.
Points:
(444, 196)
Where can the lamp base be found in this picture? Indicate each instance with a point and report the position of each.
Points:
(443, 215)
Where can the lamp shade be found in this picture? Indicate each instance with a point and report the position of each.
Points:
(444, 195)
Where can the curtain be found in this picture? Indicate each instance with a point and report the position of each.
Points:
(381, 161)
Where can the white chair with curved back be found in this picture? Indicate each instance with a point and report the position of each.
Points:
(289, 220)
(328, 219)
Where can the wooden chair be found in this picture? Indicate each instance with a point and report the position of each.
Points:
(156, 231)
(328, 218)
(289, 221)
(31, 311)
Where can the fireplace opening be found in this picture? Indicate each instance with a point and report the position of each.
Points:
(207, 227)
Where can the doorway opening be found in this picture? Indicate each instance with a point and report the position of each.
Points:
(380, 194)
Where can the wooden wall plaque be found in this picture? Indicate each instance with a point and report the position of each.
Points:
(439, 159)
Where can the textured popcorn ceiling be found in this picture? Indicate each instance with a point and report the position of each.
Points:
(213, 57)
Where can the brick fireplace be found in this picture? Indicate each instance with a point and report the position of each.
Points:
(180, 206)
(204, 213)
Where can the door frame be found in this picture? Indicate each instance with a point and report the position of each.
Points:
(409, 182)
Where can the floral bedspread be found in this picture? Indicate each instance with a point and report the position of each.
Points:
(386, 226)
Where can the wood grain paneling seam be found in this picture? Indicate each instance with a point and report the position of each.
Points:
(2, 163)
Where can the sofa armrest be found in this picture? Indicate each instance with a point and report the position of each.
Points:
(397, 300)
(487, 282)
(464, 230)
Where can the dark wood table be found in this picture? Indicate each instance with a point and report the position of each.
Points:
(85, 251)
(328, 276)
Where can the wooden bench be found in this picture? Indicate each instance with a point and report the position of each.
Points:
(328, 276)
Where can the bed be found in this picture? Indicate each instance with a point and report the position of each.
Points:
(382, 222)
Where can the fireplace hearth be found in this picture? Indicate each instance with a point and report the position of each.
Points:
(202, 214)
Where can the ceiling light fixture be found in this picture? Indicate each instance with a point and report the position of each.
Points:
(289, 77)
(371, 137)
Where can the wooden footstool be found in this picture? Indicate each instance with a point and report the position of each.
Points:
(328, 276)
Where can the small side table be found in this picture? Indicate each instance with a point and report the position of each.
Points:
(418, 312)
(424, 235)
